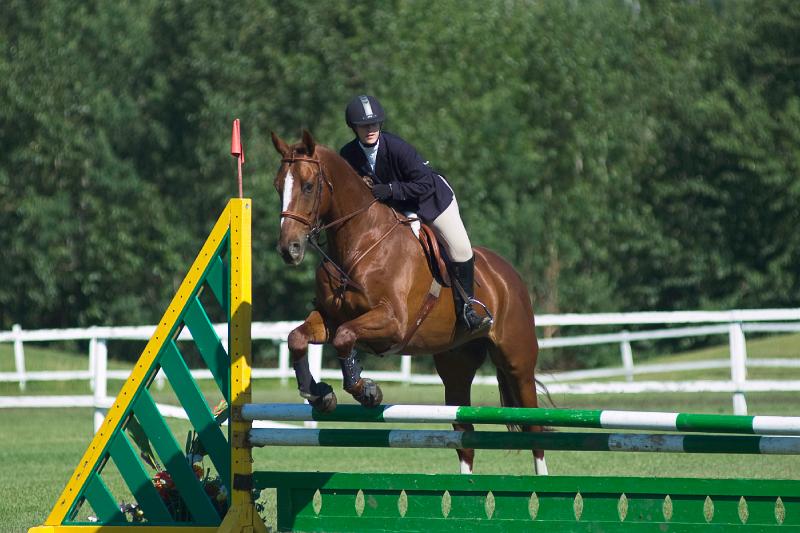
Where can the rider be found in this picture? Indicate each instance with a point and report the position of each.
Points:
(404, 180)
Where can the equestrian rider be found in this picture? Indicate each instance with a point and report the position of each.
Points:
(404, 181)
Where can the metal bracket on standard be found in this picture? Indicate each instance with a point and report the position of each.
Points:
(243, 482)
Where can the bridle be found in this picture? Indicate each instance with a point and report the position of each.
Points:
(314, 222)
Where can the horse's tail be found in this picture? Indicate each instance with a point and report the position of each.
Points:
(542, 388)
(508, 400)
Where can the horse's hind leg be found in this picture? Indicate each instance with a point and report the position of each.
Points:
(515, 360)
(457, 369)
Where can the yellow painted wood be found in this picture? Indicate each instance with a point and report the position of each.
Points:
(137, 528)
(240, 349)
(113, 419)
(242, 519)
(242, 516)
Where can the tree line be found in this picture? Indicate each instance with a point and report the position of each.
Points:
(624, 155)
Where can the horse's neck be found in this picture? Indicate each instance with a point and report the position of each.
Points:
(356, 235)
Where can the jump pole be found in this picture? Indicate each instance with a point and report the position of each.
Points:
(600, 419)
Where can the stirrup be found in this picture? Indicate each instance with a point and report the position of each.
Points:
(468, 305)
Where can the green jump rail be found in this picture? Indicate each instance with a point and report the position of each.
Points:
(598, 419)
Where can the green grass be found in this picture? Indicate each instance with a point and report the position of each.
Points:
(40, 448)
(46, 444)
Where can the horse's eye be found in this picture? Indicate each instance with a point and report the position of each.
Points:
(308, 187)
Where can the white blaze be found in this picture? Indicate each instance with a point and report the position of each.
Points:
(288, 182)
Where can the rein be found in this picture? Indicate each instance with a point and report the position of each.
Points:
(316, 227)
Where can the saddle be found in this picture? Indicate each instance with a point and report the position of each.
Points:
(437, 261)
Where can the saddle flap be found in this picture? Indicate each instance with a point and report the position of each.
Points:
(436, 262)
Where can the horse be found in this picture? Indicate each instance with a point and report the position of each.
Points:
(375, 275)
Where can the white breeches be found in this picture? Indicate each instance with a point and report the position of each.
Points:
(450, 231)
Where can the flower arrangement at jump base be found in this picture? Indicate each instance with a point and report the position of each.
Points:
(163, 482)
(165, 486)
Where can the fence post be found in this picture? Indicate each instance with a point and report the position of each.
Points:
(405, 368)
(19, 356)
(627, 355)
(99, 349)
(92, 353)
(283, 362)
(738, 367)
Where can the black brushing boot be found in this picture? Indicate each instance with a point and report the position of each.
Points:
(465, 274)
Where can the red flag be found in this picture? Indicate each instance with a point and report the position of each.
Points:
(237, 150)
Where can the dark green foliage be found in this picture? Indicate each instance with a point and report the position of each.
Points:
(623, 155)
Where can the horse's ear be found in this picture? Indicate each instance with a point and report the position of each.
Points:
(280, 145)
(309, 142)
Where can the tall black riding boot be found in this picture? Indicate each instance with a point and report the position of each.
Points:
(465, 273)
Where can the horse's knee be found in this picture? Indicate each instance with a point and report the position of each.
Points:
(297, 341)
(343, 341)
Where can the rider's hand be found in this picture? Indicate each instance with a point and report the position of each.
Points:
(382, 191)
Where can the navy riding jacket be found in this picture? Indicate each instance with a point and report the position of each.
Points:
(415, 186)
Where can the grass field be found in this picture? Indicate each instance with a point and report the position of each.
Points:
(40, 448)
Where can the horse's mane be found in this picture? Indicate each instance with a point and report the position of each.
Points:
(332, 156)
(337, 166)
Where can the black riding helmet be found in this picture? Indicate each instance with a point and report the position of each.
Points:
(362, 110)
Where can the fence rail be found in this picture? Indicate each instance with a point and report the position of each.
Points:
(733, 323)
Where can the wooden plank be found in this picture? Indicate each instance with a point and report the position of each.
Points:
(200, 415)
(217, 280)
(186, 482)
(102, 501)
(209, 344)
(138, 480)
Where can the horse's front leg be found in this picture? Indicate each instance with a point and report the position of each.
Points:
(314, 331)
(376, 324)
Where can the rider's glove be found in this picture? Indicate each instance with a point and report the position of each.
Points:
(382, 191)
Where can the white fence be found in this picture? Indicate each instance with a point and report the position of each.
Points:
(734, 324)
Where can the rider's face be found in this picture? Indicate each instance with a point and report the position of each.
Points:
(368, 133)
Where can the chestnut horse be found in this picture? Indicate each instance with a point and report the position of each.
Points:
(375, 279)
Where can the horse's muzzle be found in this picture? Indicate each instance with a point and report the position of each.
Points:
(292, 252)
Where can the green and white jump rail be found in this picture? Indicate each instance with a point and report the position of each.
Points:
(598, 419)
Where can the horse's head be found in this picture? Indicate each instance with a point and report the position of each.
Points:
(305, 195)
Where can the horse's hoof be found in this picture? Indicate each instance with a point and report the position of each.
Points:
(325, 404)
(325, 399)
(370, 394)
